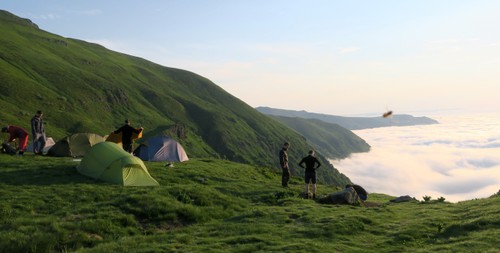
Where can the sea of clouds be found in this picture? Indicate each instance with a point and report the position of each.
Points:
(458, 159)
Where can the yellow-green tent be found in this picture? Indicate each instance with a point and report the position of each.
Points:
(109, 162)
(75, 145)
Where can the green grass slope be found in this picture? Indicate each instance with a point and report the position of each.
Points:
(84, 87)
(208, 205)
(330, 139)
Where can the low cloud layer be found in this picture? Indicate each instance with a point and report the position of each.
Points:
(458, 159)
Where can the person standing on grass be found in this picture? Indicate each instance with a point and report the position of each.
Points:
(127, 130)
(310, 173)
(17, 133)
(38, 131)
(285, 177)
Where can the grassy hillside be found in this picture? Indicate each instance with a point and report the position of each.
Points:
(353, 123)
(330, 139)
(84, 87)
(208, 205)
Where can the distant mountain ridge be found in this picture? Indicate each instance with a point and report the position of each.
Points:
(353, 123)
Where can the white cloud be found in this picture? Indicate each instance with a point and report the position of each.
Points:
(494, 44)
(347, 50)
(457, 159)
(49, 16)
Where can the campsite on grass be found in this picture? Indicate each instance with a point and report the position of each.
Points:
(143, 157)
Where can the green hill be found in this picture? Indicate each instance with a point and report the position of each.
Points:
(353, 123)
(330, 139)
(208, 205)
(84, 87)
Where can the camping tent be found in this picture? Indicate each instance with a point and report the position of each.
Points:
(109, 162)
(49, 142)
(117, 138)
(161, 148)
(75, 145)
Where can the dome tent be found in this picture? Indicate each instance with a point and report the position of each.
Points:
(107, 161)
(161, 148)
(75, 145)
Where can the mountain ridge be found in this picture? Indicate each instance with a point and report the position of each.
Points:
(331, 139)
(352, 123)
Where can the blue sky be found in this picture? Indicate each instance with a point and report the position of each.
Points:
(336, 57)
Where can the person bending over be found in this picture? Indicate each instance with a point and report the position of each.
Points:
(16, 132)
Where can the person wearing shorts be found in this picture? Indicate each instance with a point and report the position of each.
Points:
(312, 164)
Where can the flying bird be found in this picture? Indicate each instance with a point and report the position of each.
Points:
(387, 114)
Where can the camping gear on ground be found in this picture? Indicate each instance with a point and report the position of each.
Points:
(107, 161)
(75, 145)
(347, 196)
(8, 149)
(400, 199)
(362, 193)
(117, 138)
(49, 142)
(161, 148)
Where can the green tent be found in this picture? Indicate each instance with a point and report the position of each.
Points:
(75, 145)
(107, 161)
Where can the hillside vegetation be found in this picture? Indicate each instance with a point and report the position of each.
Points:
(353, 123)
(331, 139)
(84, 87)
(208, 205)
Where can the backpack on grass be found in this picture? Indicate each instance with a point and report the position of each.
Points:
(8, 149)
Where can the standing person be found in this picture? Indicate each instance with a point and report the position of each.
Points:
(17, 133)
(285, 177)
(38, 131)
(310, 173)
(127, 132)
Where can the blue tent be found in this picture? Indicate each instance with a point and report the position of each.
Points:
(161, 148)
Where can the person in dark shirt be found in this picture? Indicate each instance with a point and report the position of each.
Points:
(127, 132)
(38, 131)
(312, 164)
(17, 133)
(285, 177)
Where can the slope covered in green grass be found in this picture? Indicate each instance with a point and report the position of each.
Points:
(209, 205)
(330, 139)
(84, 87)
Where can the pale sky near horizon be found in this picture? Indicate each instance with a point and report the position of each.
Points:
(335, 57)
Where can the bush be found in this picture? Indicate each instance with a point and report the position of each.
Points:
(496, 194)
(427, 198)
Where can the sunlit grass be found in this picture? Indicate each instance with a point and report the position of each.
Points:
(219, 206)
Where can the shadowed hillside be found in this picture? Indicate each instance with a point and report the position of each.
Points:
(353, 123)
(84, 87)
(330, 139)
